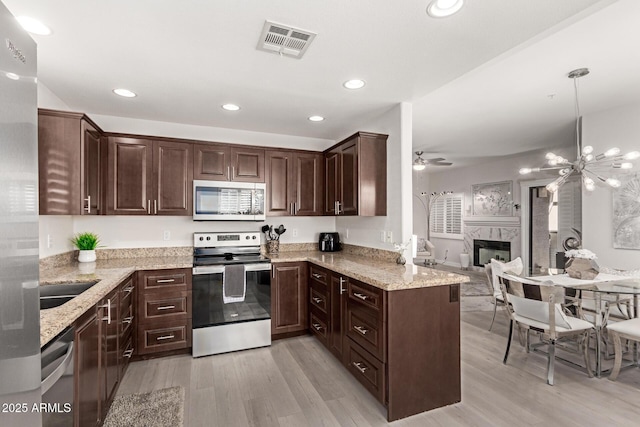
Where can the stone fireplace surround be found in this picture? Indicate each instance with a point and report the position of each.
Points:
(503, 229)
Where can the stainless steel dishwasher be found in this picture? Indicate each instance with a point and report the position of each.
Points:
(57, 381)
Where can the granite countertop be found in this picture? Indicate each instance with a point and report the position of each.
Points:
(385, 275)
(109, 273)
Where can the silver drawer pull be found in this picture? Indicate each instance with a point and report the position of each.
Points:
(361, 296)
(317, 276)
(128, 289)
(317, 326)
(359, 367)
(166, 307)
(165, 280)
(360, 329)
(127, 319)
(128, 353)
(317, 300)
(165, 337)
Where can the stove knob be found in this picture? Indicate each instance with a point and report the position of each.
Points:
(208, 237)
(248, 237)
(201, 238)
(253, 237)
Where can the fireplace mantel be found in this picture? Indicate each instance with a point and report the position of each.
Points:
(492, 221)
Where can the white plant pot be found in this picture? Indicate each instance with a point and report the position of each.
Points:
(87, 256)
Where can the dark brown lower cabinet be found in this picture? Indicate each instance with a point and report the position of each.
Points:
(403, 346)
(289, 290)
(86, 405)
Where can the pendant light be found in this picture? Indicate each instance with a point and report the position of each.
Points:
(590, 167)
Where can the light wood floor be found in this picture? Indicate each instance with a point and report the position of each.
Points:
(297, 382)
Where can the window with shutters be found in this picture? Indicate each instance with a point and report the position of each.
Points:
(446, 217)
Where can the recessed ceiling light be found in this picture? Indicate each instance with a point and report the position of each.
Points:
(354, 84)
(316, 118)
(231, 107)
(124, 92)
(12, 76)
(442, 8)
(33, 26)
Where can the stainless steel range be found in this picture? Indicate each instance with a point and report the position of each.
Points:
(231, 293)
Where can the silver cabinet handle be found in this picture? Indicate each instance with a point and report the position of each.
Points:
(316, 275)
(359, 367)
(155, 207)
(342, 282)
(108, 307)
(165, 280)
(335, 207)
(128, 289)
(361, 296)
(88, 208)
(317, 300)
(166, 307)
(127, 319)
(128, 353)
(148, 207)
(228, 176)
(295, 208)
(338, 207)
(291, 209)
(317, 326)
(360, 329)
(165, 337)
(233, 173)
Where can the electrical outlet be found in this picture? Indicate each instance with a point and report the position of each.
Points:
(389, 237)
(383, 236)
(295, 232)
(49, 241)
(166, 235)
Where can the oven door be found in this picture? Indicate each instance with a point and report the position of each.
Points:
(209, 308)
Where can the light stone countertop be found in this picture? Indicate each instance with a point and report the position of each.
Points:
(109, 272)
(381, 274)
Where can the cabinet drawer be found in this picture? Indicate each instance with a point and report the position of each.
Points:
(319, 275)
(318, 326)
(126, 321)
(318, 299)
(165, 280)
(367, 330)
(170, 305)
(163, 336)
(368, 370)
(366, 296)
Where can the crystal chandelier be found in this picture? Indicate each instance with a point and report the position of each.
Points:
(590, 167)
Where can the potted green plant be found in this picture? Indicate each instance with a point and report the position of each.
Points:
(86, 243)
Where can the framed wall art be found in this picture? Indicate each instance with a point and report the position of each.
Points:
(626, 214)
(492, 199)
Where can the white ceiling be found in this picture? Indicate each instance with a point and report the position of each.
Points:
(478, 80)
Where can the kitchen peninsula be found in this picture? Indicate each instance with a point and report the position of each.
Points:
(395, 328)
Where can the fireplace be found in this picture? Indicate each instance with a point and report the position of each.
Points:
(485, 250)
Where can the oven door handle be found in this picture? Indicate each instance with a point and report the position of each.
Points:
(262, 266)
(208, 270)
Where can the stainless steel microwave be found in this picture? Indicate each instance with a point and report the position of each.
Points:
(228, 201)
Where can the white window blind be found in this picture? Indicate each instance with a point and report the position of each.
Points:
(446, 216)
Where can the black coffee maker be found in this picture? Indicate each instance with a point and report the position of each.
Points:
(329, 242)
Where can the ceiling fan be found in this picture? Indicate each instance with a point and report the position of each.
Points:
(419, 163)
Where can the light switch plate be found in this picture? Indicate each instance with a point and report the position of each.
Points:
(382, 236)
(389, 237)
(166, 235)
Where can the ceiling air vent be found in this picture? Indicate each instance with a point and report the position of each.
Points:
(285, 40)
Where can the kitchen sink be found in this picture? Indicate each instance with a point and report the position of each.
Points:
(55, 295)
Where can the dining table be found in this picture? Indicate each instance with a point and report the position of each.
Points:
(603, 284)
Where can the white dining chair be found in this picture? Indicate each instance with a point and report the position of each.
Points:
(628, 330)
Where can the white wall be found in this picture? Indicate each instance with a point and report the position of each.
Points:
(460, 180)
(48, 99)
(620, 128)
(365, 231)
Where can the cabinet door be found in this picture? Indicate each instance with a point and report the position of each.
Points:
(289, 298)
(173, 172)
(332, 182)
(280, 187)
(91, 166)
(130, 176)
(338, 299)
(309, 184)
(108, 314)
(212, 162)
(87, 376)
(247, 164)
(349, 178)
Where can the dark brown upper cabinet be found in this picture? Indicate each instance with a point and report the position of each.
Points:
(147, 177)
(226, 162)
(356, 176)
(70, 164)
(294, 183)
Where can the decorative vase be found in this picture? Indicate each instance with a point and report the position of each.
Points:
(465, 260)
(401, 260)
(580, 268)
(273, 246)
(87, 256)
